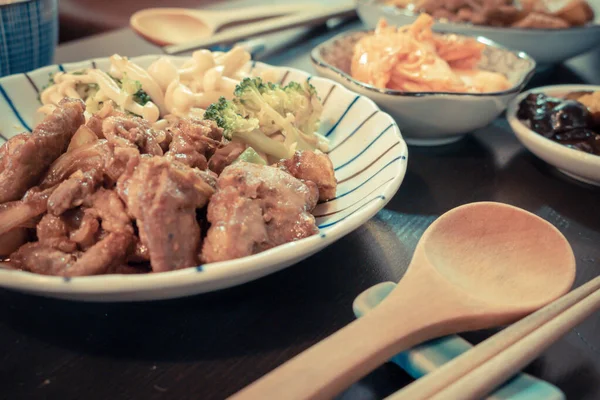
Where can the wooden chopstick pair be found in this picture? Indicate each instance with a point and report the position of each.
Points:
(490, 363)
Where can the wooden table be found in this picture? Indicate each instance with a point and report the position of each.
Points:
(209, 346)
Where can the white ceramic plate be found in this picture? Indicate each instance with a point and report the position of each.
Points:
(430, 118)
(367, 151)
(574, 163)
(546, 46)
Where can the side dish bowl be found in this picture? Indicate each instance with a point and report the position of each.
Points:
(367, 151)
(576, 164)
(546, 46)
(430, 118)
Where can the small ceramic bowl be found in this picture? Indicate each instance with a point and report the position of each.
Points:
(430, 118)
(576, 164)
(546, 46)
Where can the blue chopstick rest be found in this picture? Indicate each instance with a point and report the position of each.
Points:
(428, 356)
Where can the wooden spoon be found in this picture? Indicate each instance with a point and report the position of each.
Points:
(477, 266)
(166, 26)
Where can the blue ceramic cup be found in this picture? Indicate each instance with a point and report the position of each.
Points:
(28, 34)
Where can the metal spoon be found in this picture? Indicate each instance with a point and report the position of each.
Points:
(477, 266)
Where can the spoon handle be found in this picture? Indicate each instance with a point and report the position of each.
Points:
(324, 370)
(278, 24)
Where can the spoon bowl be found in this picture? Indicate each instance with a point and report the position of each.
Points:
(500, 255)
(477, 266)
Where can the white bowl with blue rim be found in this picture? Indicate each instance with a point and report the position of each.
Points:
(28, 34)
(425, 358)
(430, 118)
(367, 151)
(546, 46)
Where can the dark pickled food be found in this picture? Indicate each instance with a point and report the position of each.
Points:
(570, 114)
(567, 120)
(536, 104)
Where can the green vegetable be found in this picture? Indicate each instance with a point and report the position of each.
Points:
(250, 155)
(134, 88)
(262, 109)
(235, 126)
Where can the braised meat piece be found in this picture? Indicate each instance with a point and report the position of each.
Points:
(314, 167)
(194, 142)
(225, 156)
(74, 244)
(25, 158)
(256, 208)
(95, 121)
(163, 197)
(52, 231)
(84, 227)
(44, 259)
(124, 131)
(92, 156)
(110, 209)
(70, 193)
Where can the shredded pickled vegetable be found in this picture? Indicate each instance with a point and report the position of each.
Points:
(414, 59)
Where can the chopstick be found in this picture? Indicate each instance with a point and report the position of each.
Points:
(490, 363)
(312, 17)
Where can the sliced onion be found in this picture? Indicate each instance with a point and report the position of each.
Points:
(84, 135)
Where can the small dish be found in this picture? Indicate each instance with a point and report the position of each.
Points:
(545, 46)
(367, 150)
(430, 118)
(576, 164)
(426, 357)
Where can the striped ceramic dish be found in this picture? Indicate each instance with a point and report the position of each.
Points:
(367, 151)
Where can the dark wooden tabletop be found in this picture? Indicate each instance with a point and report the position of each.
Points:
(210, 346)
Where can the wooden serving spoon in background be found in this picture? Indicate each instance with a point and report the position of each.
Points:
(166, 26)
(477, 266)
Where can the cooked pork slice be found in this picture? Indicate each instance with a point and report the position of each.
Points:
(100, 227)
(163, 198)
(194, 142)
(44, 259)
(71, 192)
(256, 208)
(26, 157)
(90, 156)
(314, 167)
(125, 131)
(23, 212)
(84, 227)
(225, 156)
(110, 209)
(52, 231)
(95, 121)
(106, 253)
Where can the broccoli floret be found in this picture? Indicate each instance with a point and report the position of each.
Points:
(293, 109)
(237, 127)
